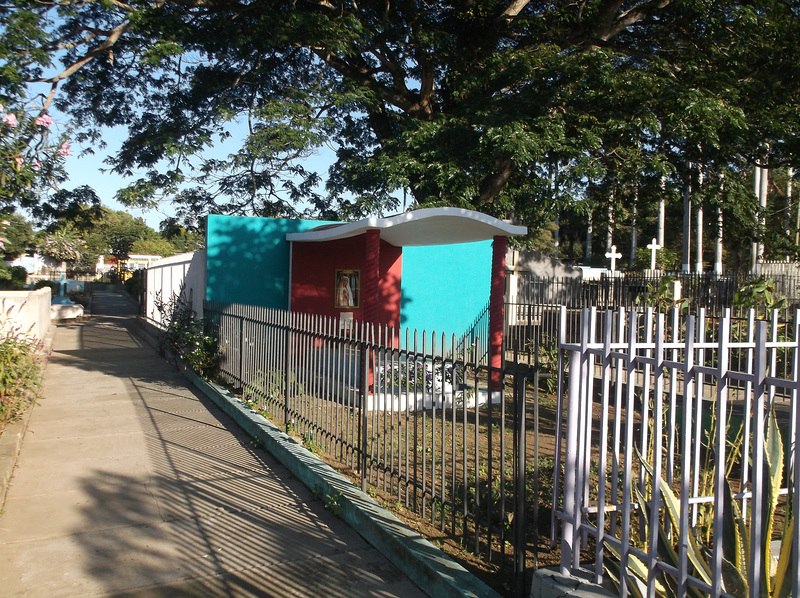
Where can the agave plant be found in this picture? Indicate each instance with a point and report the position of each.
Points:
(736, 544)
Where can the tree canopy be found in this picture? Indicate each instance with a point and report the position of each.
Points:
(512, 107)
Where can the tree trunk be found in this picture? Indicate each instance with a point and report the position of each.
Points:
(686, 257)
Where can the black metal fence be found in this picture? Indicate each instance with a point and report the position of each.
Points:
(428, 426)
(714, 293)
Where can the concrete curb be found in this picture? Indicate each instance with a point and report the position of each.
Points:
(10, 444)
(430, 568)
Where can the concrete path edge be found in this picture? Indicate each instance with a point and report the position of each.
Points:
(430, 568)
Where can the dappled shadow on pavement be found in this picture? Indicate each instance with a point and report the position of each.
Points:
(131, 483)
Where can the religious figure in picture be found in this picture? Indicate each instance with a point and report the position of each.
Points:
(344, 294)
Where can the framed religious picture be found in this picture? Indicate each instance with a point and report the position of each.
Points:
(347, 290)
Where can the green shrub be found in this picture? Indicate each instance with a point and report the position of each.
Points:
(12, 277)
(185, 336)
(21, 369)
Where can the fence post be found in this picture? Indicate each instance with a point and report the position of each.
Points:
(241, 350)
(759, 405)
(570, 465)
(287, 343)
(365, 349)
(519, 484)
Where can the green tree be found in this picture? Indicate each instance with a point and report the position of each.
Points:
(16, 235)
(470, 104)
(31, 154)
(62, 245)
(157, 246)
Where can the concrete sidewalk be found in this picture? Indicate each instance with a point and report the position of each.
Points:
(131, 483)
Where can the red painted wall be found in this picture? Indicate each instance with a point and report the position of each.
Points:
(314, 268)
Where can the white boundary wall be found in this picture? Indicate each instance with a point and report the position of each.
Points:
(166, 277)
(27, 312)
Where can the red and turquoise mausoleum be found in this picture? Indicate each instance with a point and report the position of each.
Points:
(430, 269)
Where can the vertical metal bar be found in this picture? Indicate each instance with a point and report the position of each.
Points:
(407, 377)
(757, 484)
(570, 521)
(562, 331)
(795, 452)
(536, 455)
(365, 351)
(434, 398)
(672, 429)
(424, 426)
(454, 381)
(627, 474)
(658, 428)
(585, 450)
(287, 370)
(603, 449)
(698, 413)
(617, 438)
(686, 430)
(750, 360)
(519, 521)
(443, 463)
(721, 455)
(477, 460)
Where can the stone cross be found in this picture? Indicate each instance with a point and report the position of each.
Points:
(613, 255)
(653, 247)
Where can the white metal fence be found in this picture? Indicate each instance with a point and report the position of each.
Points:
(180, 274)
(685, 405)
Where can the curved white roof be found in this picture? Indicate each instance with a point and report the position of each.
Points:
(427, 226)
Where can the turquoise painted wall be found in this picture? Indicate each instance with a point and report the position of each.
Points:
(445, 286)
(248, 259)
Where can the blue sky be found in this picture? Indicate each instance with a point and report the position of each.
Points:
(87, 170)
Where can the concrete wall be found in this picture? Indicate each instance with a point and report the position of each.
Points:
(27, 312)
(445, 286)
(248, 259)
(164, 280)
(314, 267)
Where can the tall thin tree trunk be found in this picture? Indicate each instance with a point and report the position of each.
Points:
(789, 174)
(635, 224)
(554, 195)
(610, 227)
(755, 243)
(589, 233)
(718, 236)
(698, 264)
(686, 257)
(662, 211)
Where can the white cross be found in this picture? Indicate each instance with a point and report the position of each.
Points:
(653, 247)
(613, 255)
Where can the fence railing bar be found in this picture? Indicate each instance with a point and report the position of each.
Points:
(683, 556)
(700, 330)
(759, 400)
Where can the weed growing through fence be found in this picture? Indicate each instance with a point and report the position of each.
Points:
(331, 501)
(21, 368)
(309, 442)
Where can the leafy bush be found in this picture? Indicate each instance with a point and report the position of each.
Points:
(135, 284)
(759, 293)
(185, 336)
(21, 368)
(12, 277)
